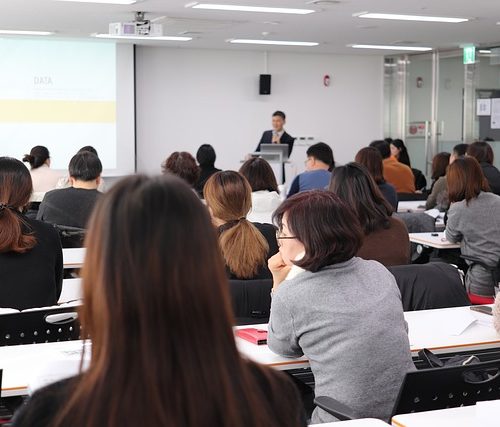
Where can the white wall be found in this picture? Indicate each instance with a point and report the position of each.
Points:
(188, 97)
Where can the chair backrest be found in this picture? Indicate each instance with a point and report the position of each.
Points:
(406, 197)
(430, 286)
(40, 326)
(449, 387)
(71, 237)
(417, 222)
(251, 300)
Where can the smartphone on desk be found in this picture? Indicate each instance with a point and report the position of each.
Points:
(482, 309)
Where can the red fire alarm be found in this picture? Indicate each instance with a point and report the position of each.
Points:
(326, 80)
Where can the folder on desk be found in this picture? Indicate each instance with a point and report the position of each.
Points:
(255, 336)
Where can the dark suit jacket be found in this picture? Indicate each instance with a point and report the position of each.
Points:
(267, 138)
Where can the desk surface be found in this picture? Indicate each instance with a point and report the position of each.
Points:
(364, 422)
(433, 241)
(73, 257)
(431, 329)
(412, 206)
(467, 416)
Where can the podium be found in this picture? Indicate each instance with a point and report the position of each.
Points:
(277, 156)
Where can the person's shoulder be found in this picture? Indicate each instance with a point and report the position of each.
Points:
(266, 229)
(40, 227)
(398, 224)
(43, 405)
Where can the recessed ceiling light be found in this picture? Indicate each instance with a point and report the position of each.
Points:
(149, 38)
(102, 1)
(397, 17)
(239, 8)
(273, 42)
(26, 33)
(389, 47)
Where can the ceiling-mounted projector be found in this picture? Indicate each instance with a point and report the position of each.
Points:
(140, 27)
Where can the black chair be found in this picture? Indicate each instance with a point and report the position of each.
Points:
(430, 286)
(251, 300)
(40, 326)
(494, 270)
(408, 197)
(71, 237)
(432, 389)
(420, 181)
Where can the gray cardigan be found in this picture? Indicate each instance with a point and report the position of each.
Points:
(477, 227)
(347, 319)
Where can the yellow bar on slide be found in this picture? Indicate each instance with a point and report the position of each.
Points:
(56, 111)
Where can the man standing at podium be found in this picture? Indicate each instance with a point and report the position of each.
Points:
(277, 134)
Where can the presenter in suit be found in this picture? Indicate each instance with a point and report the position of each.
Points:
(277, 134)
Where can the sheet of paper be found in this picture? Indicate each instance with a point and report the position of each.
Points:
(487, 413)
(434, 213)
(457, 323)
(484, 107)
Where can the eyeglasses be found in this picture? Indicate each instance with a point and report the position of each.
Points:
(280, 237)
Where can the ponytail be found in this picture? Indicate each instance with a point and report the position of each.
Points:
(243, 247)
(37, 156)
(12, 236)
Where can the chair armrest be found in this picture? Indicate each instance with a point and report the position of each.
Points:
(335, 408)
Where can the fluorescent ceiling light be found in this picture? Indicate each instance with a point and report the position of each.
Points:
(410, 17)
(383, 47)
(159, 38)
(25, 33)
(238, 8)
(485, 51)
(273, 42)
(102, 1)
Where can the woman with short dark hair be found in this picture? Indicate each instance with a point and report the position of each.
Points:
(265, 193)
(205, 157)
(31, 264)
(158, 311)
(483, 153)
(474, 221)
(342, 312)
(372, 160)
(385, 237)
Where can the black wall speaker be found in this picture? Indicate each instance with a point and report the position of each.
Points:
(265, 84)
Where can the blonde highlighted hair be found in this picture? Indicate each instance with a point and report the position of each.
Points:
(229, 196)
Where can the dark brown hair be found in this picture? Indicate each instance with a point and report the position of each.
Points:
(259, 175)
(440, 163)
(158, 312)
(244, 248)
(481, 151)
(37, 156)
(371, 159)
(183, 165)
(15, 192)
(355, 186)
(326, 226)
(465, 180)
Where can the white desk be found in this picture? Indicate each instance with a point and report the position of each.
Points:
(73, 257)
(71, 290)
(432, 241)
(467, 416)
(431, 329)
(364, 422)
(21, 363)
(412, 206)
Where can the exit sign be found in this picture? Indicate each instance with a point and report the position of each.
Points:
(469, 55)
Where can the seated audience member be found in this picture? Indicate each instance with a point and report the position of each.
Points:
(483, 153)
(400, 152)
(183, 165)
(342, 312)
(245, 246)
(371, 159)
(206, 159)
(163, 282)
(458, 151)
(44, 178)
(386, 238)
(72, 206)
(65, 182)
(474, 221)
(438, 197)
(31, 263)
(265, 194)
(395, 173)
(319, 164)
